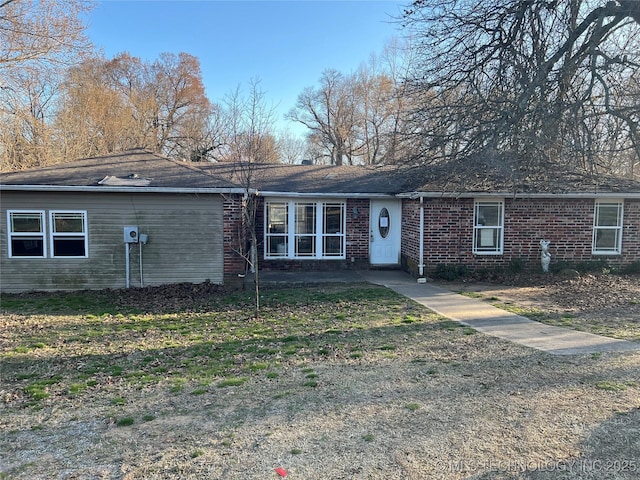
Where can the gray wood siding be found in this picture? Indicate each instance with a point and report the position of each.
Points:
(185, 241)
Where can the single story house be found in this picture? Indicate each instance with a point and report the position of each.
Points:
(137, 219)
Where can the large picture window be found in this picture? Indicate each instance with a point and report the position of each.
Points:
(488, 231)
(68, 234)
(26, 234)
(607, 228)
(304, 229)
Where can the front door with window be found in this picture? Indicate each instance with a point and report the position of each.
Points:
(385, 229)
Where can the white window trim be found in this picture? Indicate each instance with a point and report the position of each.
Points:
(42, 234)
(53, 234)
(317, 207)
(343, 229)
(268, 236)
(291, 234)
(500, 228)
(596, 228)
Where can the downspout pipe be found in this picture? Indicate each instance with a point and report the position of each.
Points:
(127, 267)
(140, 256)
(421, 253)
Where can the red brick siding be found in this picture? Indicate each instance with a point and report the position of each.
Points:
(357, 243)
(447, 231)
(631, 232)
(567, 223)
(358, 231)
(232, 228)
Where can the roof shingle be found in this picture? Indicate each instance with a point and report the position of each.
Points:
(141, 164)
(142, 169)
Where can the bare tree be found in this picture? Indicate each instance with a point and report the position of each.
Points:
(397, 59)
(357, 118)
(111, 105)
(381, 105)
(181, 103)
(536, 82)
(41, 31)
(291, 147)
(38, 40)
(329, 113)
(373, 91)
(26, 137)
(94, 117)
(204, 134)
(250, 142)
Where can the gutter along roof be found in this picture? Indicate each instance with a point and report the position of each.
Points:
(517, 195)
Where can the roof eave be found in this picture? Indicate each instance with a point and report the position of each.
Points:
(415, 195)
(119, 189)
(266, 193)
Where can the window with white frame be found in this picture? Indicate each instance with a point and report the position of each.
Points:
(305, 229)
(607, 228)
(26, 234)
(488, 227)
(304, 239)
(65, 235)
(333, 238)
(68, 233)
(276, 229)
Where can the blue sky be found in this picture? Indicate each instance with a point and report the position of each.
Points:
(284, 44)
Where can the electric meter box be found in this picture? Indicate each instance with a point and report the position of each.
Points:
(131, 234)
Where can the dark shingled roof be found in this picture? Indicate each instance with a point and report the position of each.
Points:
(309, 179)
(131, 167)
(142, 169)
(487, 177)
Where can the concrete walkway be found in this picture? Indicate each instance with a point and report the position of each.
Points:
(493, 321)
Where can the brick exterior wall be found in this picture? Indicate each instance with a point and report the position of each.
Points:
(358, 224)
(234, 264)
(631, 232)
(567, 223)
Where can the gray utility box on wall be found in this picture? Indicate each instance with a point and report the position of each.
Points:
(131, 234)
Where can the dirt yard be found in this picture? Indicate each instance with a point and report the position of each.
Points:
(602, 304)
(583, 294)
(385, 391)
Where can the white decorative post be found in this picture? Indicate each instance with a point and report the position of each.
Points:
(545, 256)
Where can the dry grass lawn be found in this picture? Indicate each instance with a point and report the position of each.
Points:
(334, 382)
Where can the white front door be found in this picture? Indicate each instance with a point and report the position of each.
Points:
(385, 232)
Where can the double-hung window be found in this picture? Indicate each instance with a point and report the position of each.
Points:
(305, 229)
(607, 228)
(68, 233)
(65, 234)
(488, 227)
(333, 238)
(26, 234)
(276, 229)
